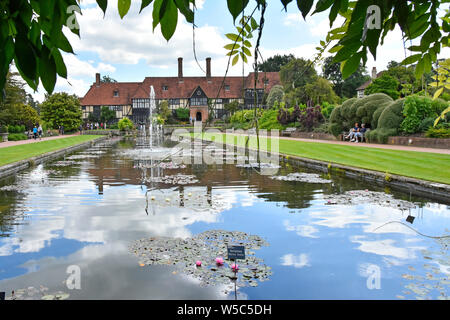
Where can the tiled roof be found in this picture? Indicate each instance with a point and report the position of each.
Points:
(176, 88)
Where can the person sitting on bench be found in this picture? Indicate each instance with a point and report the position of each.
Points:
(353, 131)
(360, 133)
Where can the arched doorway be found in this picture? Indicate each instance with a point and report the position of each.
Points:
(198, 116)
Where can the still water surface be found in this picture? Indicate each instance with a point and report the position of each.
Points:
(89, 213)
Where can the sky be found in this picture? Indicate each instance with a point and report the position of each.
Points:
(128, 50)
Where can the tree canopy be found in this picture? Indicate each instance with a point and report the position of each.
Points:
(31, 31)
(274, 64)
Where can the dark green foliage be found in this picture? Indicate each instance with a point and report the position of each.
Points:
(16, 129)
(106, 114)
(426, 124)
(376, 116)
(62, 109)
(392, 115)
(274, 64)
(17, 136)
(338, 117)
(380, 135)
(415, 110)
(384, 84)
(125, 124)
(269, 120)
(182, 113)
(366, 107)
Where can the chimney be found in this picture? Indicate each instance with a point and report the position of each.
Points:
(374, 72)
(97, 79)
(208, 68)
(180, 68)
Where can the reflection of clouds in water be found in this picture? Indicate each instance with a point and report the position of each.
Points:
(296, 261)
(119, 213)
(301, 230)
(385, 248)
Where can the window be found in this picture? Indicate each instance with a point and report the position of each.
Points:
(199, 101)
(165, 88)
(227, 87)
(116, 93)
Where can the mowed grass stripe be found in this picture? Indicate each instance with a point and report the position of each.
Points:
(25, 151)
(422, 165)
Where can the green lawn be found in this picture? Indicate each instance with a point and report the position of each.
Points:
(25, 151)
(421, 165)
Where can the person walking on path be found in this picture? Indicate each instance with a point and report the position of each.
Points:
(35, 132)
(40, 132)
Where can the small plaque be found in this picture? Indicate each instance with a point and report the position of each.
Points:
(236, 252)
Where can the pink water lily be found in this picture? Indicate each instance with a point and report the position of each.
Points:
(235, 267)
(198, 263)
(219, 261)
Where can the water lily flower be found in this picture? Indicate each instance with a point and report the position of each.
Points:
(198, 263)
(235, 267)
(219, 261)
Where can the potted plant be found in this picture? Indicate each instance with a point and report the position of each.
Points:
(4, 133)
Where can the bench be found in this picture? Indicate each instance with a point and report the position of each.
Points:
(289, 131)
(360, 139)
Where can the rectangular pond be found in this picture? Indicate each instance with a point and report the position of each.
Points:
(111, 222)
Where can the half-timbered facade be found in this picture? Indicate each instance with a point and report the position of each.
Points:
(200, 94)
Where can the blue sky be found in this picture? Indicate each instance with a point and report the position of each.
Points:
(128, 50)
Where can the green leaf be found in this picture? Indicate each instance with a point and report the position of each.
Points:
(412, 59)
(233, 37)
(427, 63)
(254, 24)
(323, 5)
(144, 4)
(351, 65)
(64, 44)
(232, 46)
(305, 6)
(247, 43)
(438, 93)
(25, 59)
(236, 7)
(169, 20)
(235, 60)
(246, 51)
(59, 62)
(183, 6)
(123, 6)
(155, 13)
(103, 4)
(419, 69)
(47, 70)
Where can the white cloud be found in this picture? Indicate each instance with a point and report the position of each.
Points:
(296, 261)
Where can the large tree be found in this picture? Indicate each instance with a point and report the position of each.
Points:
(274, 64)
(343, 87)
(61, 109)
(32, 30)
(297, 73)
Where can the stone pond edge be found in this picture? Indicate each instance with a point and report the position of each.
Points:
(13, 168)
(434, 190)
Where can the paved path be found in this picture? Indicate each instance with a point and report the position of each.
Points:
(20, 142)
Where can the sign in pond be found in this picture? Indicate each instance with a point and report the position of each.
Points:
(236, 252)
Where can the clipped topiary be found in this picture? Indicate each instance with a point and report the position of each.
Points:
(392, 115)
(338, 117)
(366, 107)
(376, 116)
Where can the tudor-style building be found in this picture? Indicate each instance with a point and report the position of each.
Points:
(132, 99)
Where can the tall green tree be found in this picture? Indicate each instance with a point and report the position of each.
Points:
(320, 91)
(108, 79)
(106, 114)
(274, 64)
(297, 73)
(343, 87)
(61, 109)
(384, 84)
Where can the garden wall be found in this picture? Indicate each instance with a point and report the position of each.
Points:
(420, 142)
